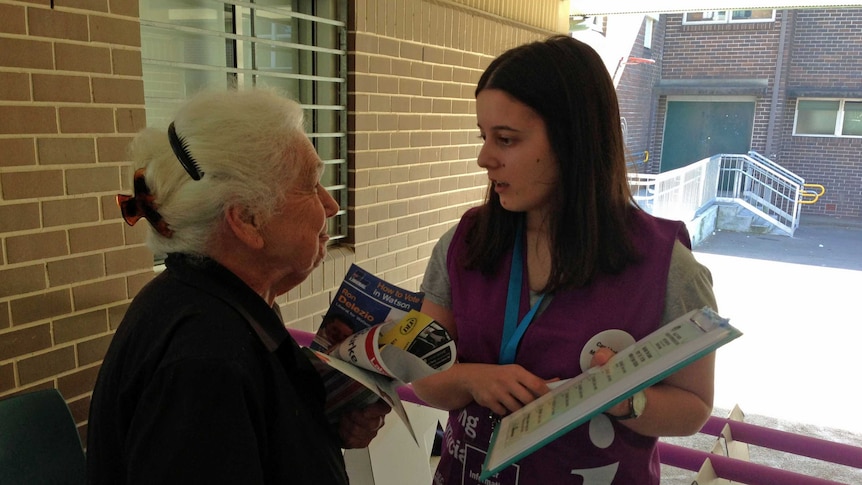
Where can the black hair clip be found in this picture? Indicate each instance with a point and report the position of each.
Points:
(181, 150)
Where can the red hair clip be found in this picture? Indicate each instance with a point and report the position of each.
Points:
(133, 207)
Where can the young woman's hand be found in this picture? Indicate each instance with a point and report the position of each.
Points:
(502, 388)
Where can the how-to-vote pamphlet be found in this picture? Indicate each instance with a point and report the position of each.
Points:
(375, 337)
(579, 399)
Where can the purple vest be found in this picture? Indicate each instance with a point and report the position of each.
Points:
(600, 452)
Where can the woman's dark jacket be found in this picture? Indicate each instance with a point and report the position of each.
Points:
(203, 384)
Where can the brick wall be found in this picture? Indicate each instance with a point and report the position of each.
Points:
(724, 52)
(72, 98)
(637, 103)
(825, 49)
(819, 59)
(412, 137)
(825, 61)
(413, 71)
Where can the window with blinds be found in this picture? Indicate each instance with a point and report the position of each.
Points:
(298, 46)
(828, 117)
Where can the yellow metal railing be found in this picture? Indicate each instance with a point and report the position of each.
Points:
(808, 196)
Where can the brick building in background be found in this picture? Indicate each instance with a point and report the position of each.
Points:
(785, 83)
(76, 87)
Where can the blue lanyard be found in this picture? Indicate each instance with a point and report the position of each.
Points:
(512, 330)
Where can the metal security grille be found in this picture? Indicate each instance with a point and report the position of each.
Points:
(298, 46)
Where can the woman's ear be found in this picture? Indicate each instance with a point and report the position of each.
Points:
(244, 226)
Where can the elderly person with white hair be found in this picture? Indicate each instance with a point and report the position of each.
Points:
(202, 383)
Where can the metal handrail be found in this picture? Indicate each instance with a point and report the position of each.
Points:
(764, 187)
(634, 161)
(812, 196)
(679, 193)
(775, 167)
(751, 180)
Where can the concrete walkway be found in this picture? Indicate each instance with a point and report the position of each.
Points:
(797, 302)
(797, 367)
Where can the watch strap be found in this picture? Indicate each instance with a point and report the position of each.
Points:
(637, 401)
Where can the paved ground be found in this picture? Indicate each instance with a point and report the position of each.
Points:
(819, 241)
(797, 302)
(797, 366)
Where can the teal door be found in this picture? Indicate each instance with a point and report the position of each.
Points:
(695, 130)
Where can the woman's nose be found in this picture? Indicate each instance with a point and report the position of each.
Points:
(485, 159)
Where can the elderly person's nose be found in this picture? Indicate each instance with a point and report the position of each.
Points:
(329, 203)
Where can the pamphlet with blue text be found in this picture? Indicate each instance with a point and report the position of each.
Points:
(375, 337)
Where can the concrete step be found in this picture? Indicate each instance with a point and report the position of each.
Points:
(732, 217)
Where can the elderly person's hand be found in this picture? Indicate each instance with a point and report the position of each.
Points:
(359, 426)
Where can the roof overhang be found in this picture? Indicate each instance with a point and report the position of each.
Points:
(821, 92)
(712, 87)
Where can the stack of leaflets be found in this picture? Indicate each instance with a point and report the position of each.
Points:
(376, 339)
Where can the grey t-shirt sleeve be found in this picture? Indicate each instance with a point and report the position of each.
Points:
(436, 284)
(689, 285)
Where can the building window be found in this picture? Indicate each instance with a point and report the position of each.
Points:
(852, 120)
(728, 16)
(649, 27)
(297, 46)
(578, 23)
(828, 117)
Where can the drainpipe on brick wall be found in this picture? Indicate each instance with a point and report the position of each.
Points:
(776, 85)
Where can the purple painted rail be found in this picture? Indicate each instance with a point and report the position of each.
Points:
(732, 469)
(302, 337)
(788, 442)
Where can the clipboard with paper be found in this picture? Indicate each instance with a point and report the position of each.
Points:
(580, 398)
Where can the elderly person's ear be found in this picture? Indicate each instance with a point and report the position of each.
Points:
(244, 226)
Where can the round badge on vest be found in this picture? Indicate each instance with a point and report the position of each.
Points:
(614, 339)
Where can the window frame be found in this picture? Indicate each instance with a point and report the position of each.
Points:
(728, 18)
(322, 40)
(840, 115)
(649, 30)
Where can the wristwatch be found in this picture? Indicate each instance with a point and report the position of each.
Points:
(637, 403)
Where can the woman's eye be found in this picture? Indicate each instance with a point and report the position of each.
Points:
(500, 140)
